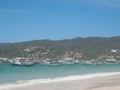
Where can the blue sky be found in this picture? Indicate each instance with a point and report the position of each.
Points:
(24, 20)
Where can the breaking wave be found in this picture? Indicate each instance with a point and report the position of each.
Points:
(24, 83)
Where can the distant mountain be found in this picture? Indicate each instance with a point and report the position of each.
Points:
(90, 48)
(4, 44)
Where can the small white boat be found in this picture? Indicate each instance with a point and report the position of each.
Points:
(18, 63)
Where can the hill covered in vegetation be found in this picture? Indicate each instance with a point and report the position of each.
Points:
(79, 48)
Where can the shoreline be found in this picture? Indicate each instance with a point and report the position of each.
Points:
(101, 83)
(96, 83)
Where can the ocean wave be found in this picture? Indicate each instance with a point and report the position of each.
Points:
(24, 83)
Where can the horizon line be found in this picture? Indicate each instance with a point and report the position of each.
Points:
(61, 39)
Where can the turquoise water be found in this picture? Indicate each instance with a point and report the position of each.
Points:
(9, 73)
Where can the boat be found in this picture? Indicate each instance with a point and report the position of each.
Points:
(28, 63)
(0, 62)
(18, 63)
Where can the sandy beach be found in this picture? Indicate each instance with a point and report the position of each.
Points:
(101, 83)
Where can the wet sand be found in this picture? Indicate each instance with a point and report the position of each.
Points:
(101, 83)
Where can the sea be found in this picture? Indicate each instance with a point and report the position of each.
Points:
(16, 76)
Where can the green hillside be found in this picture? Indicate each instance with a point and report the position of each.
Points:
(88, 48)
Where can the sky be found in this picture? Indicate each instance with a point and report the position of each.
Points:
(24, 20)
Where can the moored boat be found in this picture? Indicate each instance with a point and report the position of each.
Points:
(26, 63)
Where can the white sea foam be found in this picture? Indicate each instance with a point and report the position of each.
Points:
(53, 80)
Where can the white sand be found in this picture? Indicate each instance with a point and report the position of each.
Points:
(102, 83)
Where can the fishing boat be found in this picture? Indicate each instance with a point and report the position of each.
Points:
(28, 63)
(25, 63)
